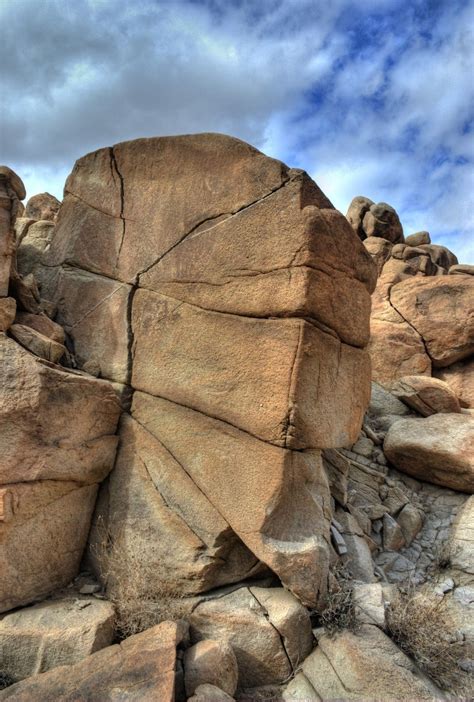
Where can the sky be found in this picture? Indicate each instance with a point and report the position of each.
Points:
(371, 97)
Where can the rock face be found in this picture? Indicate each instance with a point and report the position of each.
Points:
(226, 291)
(367, 665)
(437, 449)
(42, 207)
(141, 667)
(426, 395)
(57, 443)
(53, 633)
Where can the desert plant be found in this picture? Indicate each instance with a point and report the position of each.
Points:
(420, 624)
(339, 610)
(140, 592)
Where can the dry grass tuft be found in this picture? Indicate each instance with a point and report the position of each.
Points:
(420, 624)
(140, 593)
(339, 610)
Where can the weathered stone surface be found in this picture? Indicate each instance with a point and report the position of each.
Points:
(438, 449)
(379, 249)
(53, 633)
(461, 269)
(14, 180)
(7, 312)
(440, 255)
(358, 208)
(211, 662)
(461, 541)
(410, 520)
(441, 311)
(312, 389)
(42, 324)
(366, 665)
(426, 395)
(269, 631)
(393, 538)
(56, 425)
(43, 531)
(39, 344)
(418, 238)
(358, 558)
(299, 688)
(43, 206)
(33, 244)
(337, 469)
(141, 668)
(198, 271)
(210, 693)
(382, 220)
(369, 603)
(460, 377)
(283, 495)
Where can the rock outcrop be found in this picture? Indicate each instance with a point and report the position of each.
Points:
(233, 299)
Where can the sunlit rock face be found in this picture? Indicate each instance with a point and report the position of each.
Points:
(230, 302)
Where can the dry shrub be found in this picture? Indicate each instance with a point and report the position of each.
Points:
(420, 624)
(139, 591)
(339, 610)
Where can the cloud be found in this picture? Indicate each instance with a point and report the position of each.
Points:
(371, 98)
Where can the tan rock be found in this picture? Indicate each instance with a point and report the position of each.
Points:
(14, 181)
(418, 238)
(210, 693)
(166, 528)
(437, 449)
(141, 668)
(441, 311)
(299, 688)
(382, 220)
(43, 207)
(312, 389)
(7, 312)
(358, 208)
(269, 631)
(37, 343)
(211, 662)
(366, 665)
(369, 603)
(337, 468)
(283, 495)
(42, 324)
(358, 558)
(393, 539)
(460, 377)
(25, 291)
(380, 250)
(33, 244)
(43, 531)
(461, 539)
(426, 395)
(21, 226)
(461, 269)
(56, 425)
(440, 255)
(53, 633)
(410, 520)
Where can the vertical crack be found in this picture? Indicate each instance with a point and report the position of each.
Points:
(115, 170)
(278, 632)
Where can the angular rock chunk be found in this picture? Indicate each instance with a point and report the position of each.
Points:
(426, 395)
(358, 208)
(166, 526)
(366, 665)
(460, 378)
(438, 449)
(268, 629)
(283, 510)
(33, 244)
(418, 238)
(37, 343)
(441, 311)
(56, 425)
(379, 249)
(43, 531)
(142, 667)
(382, 220)
(43, 324)
(211, 662)
(53, 633)
(312, 389)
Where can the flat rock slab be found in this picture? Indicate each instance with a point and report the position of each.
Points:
(141, 668)
(53, 633)
(438, 449)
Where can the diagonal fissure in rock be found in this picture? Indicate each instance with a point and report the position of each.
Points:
(115, 170)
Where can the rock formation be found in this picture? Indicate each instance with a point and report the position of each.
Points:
(187, 388)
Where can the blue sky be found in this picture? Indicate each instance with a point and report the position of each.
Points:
(371, 97)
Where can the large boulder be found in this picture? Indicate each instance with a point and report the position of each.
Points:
(460, 378)
(441, 311)
(43, 206)
(268, 629)
(437, 449)
(53, 633)
(230, 295)
(142, 667)
(426, 395)
(57, 443)
(358, 208)
(362, 666)
(382, 220)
